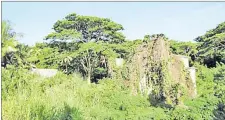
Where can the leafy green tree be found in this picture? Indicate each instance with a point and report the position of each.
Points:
(9, 45)
(146, 38)
(91, 58)
(9, 41)
(87, 56)
(86, 28)
(63, 46)
(124, 49)
(184, 48)
(212, 46)
(43, 56)
(219, 79)
(22, 54)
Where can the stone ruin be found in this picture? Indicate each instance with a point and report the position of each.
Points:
(191, 70)
(154, 71)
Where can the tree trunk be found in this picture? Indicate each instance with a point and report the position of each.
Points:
(89, 78)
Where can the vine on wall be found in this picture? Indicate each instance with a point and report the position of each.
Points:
(150, 71)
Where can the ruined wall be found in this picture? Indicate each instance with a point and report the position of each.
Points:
(192, 74)
(184, 59)
(155, 71)
(137, 68)
(189, 73)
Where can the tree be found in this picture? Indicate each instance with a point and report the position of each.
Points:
(86, 28)
(8, 38)
(90, 57)
(87, 56)
(22, 55)
(43, 56)
(147, 38)
(9, 44)
(212, 46)
(184, 48)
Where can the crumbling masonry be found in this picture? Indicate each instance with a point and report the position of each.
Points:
(153, 70)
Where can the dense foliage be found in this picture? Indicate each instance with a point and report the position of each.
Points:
(67, 95)
(86, 28)
(212, 46)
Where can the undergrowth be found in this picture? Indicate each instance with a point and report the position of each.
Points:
(68, 97)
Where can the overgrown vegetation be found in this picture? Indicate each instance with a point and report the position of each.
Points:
(89, 85)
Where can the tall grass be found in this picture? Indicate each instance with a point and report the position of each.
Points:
(68, 97)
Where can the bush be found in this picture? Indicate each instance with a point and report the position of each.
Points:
(68, 97)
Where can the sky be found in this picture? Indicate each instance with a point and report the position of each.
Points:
(181, 21)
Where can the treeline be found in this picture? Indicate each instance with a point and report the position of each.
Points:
(84, 49)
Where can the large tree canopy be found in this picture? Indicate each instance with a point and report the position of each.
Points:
(212, 46)
(86, 28)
